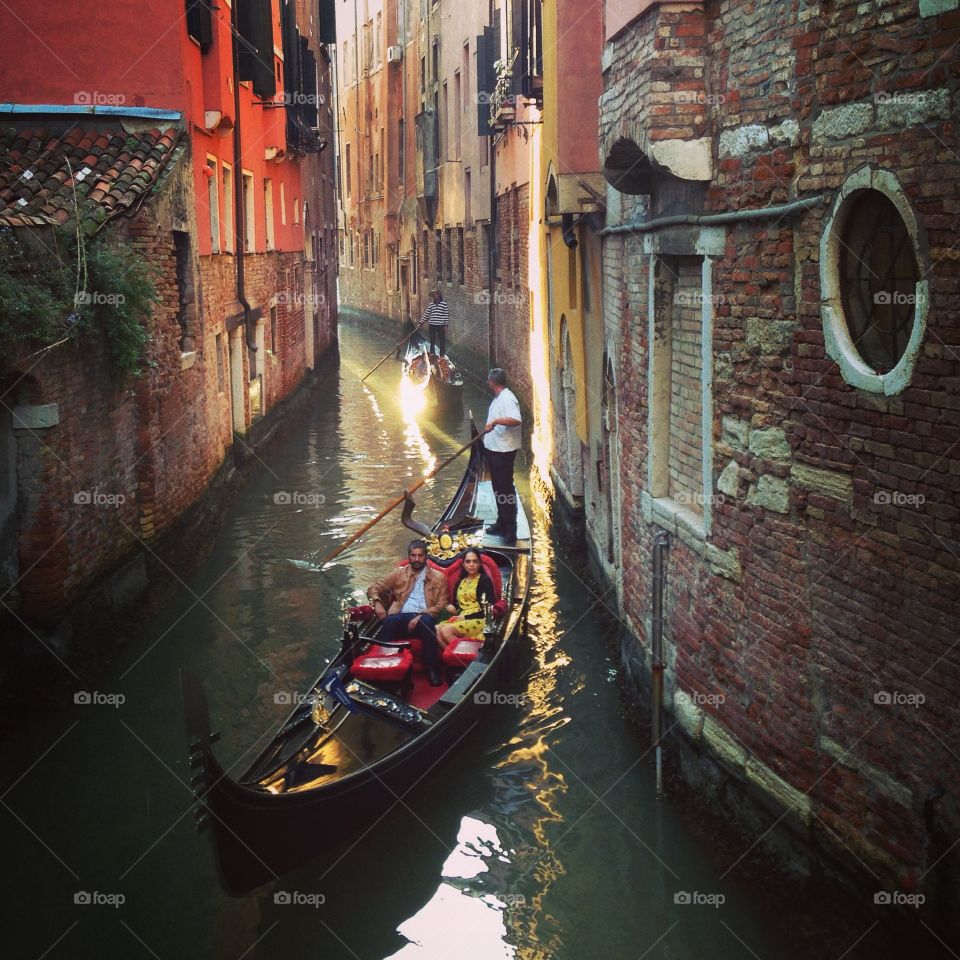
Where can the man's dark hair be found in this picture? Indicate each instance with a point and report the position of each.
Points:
(497, 376)
(415, 545)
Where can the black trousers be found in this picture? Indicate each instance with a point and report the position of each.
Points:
(501, 475)
(396, 627)
(438, 331)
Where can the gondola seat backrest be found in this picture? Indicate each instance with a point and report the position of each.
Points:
(489, 566)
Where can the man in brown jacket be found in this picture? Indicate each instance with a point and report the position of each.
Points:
(416, 594)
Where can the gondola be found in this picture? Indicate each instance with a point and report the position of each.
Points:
(353, 749)
(429, 372)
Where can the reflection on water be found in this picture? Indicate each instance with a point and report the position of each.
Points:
(538, 837)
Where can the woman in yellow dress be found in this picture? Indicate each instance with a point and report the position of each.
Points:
(473, 587)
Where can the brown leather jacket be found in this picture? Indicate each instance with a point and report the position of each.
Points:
(398, 585)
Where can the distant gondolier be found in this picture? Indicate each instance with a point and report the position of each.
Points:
(437, 316)
(501, 443)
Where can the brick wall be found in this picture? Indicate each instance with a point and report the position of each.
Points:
(511, 292)
(828, 578)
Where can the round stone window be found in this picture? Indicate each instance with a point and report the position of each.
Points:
(874, 306)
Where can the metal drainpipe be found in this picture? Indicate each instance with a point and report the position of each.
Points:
(660, 543)
(239, 214)
(715, 219)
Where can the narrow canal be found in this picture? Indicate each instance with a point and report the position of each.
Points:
(539, 838)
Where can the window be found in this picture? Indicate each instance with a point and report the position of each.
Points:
(423, 75)
(376, 40)
(438, 249)
(186, 291)
(467, 199)
(426, 254)
(676, 406)
(465, 73)
(213, 190)
(401, 152)
(445, 124)
(448, 243)
(296, 210)
(268, 211)
(249, 226)
(220, 360)
(874, 292)
(349, 178)
(461, 266)
(457, 111)
(228, 243)
(283, 204)
(413, 266)
(274, 342)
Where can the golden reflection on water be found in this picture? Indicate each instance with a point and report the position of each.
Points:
(413, 400)
(491, 893)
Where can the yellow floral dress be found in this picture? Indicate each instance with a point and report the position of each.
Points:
(467, 604)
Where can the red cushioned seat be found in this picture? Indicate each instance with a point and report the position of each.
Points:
(461, 652)
(383, 664)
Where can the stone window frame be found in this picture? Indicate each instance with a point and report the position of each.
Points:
(708, 245)
(836, 333)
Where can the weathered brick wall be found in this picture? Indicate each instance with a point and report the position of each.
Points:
(511, 292)
(830, 574)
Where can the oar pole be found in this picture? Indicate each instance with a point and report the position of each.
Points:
(393, 350)
(396, 503)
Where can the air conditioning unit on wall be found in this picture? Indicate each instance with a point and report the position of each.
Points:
(394, 54)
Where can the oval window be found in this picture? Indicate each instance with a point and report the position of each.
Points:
(878, 274)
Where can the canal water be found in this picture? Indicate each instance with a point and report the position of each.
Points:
(540, 837)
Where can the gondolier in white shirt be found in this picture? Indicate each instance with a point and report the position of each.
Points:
(437, 315)
(501, 443)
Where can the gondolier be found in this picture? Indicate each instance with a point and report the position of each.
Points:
(437, 316)
(501, 443)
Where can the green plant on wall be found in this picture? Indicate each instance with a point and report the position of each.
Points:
(74, 282)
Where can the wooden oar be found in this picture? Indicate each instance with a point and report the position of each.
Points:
(396, 503)
(393, 350)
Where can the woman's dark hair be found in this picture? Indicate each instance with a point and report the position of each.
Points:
(485, 587)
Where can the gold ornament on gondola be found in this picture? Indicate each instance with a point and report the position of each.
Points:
(448, 545)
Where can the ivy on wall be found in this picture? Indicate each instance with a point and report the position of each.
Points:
(72, 282)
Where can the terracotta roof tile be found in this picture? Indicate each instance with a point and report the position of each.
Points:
(123, 168)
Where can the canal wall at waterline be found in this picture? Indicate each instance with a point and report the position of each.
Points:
(114, 604)
(747, 807)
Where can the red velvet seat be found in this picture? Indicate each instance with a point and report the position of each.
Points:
(383, 665)
(461, 652)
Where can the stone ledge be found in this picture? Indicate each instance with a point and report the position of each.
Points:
(38, 417)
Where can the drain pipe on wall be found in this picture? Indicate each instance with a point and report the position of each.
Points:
(239, 214)
(660, 543)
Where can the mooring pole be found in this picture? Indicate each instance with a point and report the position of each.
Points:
(660, 544)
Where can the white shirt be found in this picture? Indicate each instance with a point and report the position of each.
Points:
(504, 439)
(417, 600)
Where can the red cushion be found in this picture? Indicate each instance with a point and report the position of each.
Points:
(461, 652)
(382, 664)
